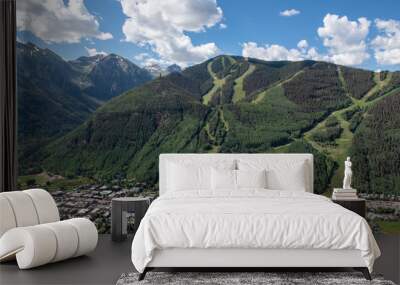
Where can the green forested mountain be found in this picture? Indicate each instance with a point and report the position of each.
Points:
(376, 147)
(235, 104)
(56, 96)
(49, 103)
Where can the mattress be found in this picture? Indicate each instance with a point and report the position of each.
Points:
(250, 219)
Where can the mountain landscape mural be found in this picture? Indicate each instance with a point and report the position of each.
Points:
(104, 87)
(225, 104)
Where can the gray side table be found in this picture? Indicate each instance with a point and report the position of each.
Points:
(120, 207)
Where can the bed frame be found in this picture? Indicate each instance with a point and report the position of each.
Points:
(243, 259)
(247, 258)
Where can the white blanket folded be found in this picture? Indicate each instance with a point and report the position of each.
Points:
(250, 219)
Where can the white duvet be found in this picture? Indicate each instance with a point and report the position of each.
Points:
(250, 219)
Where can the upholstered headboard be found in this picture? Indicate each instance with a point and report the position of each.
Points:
(213, 158)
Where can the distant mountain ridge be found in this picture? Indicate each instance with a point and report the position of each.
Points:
(106, 76)
(174, 68)
(157, 70)
(231, 104)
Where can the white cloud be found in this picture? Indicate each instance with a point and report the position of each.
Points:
(151, 61)
(270, 52)
(345, 42)
(313, 54)
(278, 52)
(141, 56)
(54, 21)
(146, 59)
(345, 39)
(104, 36)
(387, 43)
(222, 26)
(289, 13)
(302, 45)
(162, 26)
(93, 52)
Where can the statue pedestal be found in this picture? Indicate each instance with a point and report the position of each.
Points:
(344, 194)
(342, 190)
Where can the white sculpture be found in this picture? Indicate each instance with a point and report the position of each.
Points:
(347, 174)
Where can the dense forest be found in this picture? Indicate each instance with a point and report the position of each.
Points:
(376, 147)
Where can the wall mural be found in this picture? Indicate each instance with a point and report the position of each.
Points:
(92, 123)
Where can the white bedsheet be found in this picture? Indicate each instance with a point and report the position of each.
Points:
(250, 219)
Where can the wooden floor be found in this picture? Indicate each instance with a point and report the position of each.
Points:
(110, 260)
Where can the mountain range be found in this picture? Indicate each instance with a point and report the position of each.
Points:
(106, 76)
(157, 70)
(55, 95)
(237, 104)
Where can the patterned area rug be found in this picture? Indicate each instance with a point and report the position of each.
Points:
(243, 278)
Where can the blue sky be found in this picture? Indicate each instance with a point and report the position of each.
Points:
(355, 33)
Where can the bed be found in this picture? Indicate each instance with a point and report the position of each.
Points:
(247, 210)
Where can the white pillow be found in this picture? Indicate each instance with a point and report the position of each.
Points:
(293, 179)
(227, 179)
(188, 177)
(251, 178)
(223, 179)
(281, 174)
(192, 173)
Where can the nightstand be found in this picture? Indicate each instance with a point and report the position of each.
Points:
(120, 207)
(358, 205)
